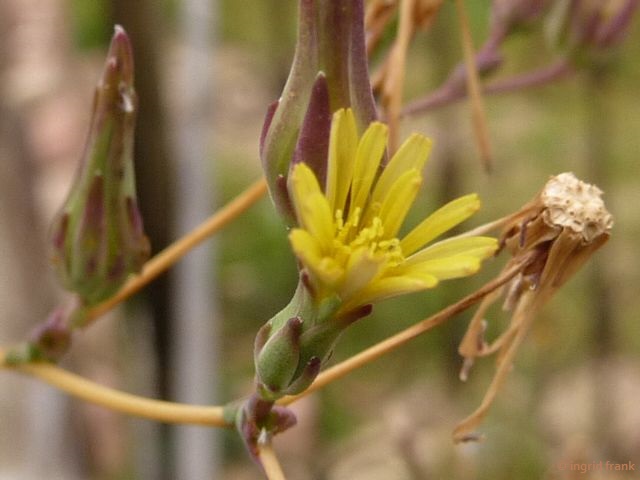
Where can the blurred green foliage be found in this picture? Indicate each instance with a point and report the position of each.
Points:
(90, 23)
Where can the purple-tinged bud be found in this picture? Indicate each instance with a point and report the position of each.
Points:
(586, 29)
(52, 339)
(512, 14)
(98, 237)
(48, 341)
(313, 141)
(256, 418)
(329, 66)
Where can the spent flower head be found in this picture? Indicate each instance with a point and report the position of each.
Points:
(551, 237)
(348, 237)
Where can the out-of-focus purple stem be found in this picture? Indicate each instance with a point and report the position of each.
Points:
(556, 71)
(448, 93)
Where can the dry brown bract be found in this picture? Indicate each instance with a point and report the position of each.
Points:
(559, 229)
(389, 80)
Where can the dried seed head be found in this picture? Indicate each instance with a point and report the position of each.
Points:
(574, 204)
(552, 236)
(563, 225)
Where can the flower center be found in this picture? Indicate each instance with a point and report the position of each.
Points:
(351, 236)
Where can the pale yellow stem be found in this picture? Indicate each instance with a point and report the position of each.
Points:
(159, 410)
(174, 252)
(523, 317)
(395, 72)
(269, 460)
(488, 227)
(170, 412)
(92, 392)
(392, 343)
(478, 114)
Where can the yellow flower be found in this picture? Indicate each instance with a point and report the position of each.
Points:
(348, 233)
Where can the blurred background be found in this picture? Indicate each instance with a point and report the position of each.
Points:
(206, 70)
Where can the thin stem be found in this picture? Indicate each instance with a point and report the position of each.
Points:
(396, 70)
(478, 113)
(496, 224)
(535, 78)
(523, 318)
(392, 343)
(174, 252)
(486, 227)
(89, 391)
(170, 412)
(131, 404)
(269, 460)
(446, 95)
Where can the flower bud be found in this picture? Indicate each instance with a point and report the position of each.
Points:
(277, 360)
(291, 348)
(329, 72)
(586, 29)
(98, 238)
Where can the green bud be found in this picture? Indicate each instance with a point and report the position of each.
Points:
(278, 359)
(98, 237)
(292, 347)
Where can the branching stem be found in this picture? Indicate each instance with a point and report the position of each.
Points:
(134, 405)
(170, 412)
(446, 95)
(269, 460)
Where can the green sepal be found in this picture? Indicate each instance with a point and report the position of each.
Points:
(279, 357)
(306, 377)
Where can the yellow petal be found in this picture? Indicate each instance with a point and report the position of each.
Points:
(411, 155)
(440, 221)
(306, 248)
(311, 206)
(387, 287)
(479, 247)
(343, 143)
(368, 156)
(449, 267)
(397, 203)
(361, 269)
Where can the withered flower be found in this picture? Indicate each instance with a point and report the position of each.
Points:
(554, 235)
